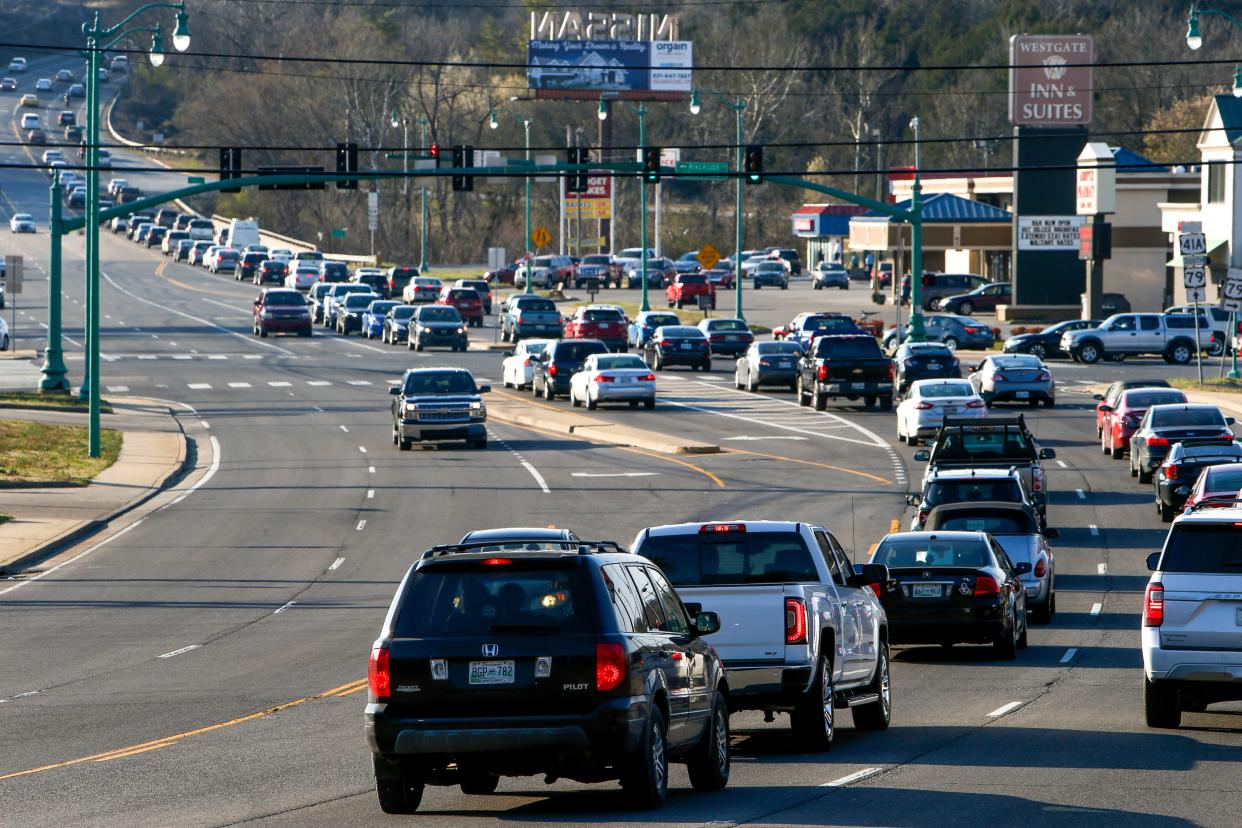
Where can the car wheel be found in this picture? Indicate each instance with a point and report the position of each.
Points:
(1118, 452)
(965, 308)
(817, 286)
(869, 401)
(399, 796)
(1133, 468)
(573, 399)
(803, 397)
(262, 332)
(886, 403)
(878, 714)
(649, 404)
(1179, 353)
(820, 401)
(1104, 447)
(1042, 613)
(1166, 511)
(418, 345)
(1144, 477)
(1038, 350)
(1023, 637)
(591, 404)
(752, 385)
(1006, 644)
(708, 764)
(548, 393)
(1160, 704)
(1088, 353)
(644, 772)
(814, 719)
(950, 343)
(737, 380)
(479, 444)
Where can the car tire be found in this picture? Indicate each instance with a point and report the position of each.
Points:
(1042, 612)
(1160, 704)
(548, 393)
(869, 401)
(479, 444)
(1088, 353)
(1024, 636)
(262, 332)
(1038, 350)
(878, 714)
(965, 308)
(1179, 353)
(649, 404)
(418, 345)
(1166, 511)
(751, 385)
(1133, 468)
(1117, 452)
(817, 286)
(1104, 447)
(644, 771)
(886, 403)
(820, 401)
(737, 381)
(709, 761)
(814, 719)
(950, 343)
(591, 404)
(399, 796)
(803, 397)
(1144, 477)
(1006, 645)
(573, 399)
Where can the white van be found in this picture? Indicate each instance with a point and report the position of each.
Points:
(242, 233)
(201, 229)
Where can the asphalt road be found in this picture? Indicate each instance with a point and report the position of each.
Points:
(205, 666)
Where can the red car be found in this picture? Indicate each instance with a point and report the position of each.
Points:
(595, 322)
(1119, 421)
(281, 310)
(721, 277)
(1219, 485)
(687, 287)
(467, 301)
(1113, 392)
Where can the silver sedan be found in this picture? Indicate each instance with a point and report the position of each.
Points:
(767, 363)
(1014, 378)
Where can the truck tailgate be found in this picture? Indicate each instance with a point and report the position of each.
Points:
(752, 619)
(858, 370)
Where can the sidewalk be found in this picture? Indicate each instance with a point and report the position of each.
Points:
(1229, 402)
(48, 519)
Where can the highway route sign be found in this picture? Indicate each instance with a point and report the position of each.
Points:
(1192, 244)
(1194, 277)
(540, 236)
(1196, 295)
(1231, 291)
(708, 256)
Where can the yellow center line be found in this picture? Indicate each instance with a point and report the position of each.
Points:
(895, 526)
(134, 752)
(800, 461)
(160, 271)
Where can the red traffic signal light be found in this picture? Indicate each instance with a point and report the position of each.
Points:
(434, 150)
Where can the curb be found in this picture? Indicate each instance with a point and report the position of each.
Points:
(91, 527)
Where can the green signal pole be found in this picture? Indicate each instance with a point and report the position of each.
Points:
(641, 111)
(422, 210)
(54, 373)
(530, 260)
(738, 107)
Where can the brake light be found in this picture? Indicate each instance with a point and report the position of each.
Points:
(665, 343)
(766, 363)
(795, 621)
(822, 373)
(1170, 472)
(602, 378)
(1044, 376)
(1041, 568)
(609, 666)
(876, 589)
(923, 513)
(1037, 479)
(1156, 441)
(379, 679)
(999, 377)
(925, 406)
(976, 404)
(552, 368)
(986, 586)
(971, 330)
(497, 561)
(1153, 605)
(526, 363)
(647, 378)
(892, 372)
(713, 528)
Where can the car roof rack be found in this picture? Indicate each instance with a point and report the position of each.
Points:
(579, 547)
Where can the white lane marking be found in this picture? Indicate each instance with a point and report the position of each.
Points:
(749, 438)
(317, 408)
(279, 384)
(118, 389)
(359, 382)
(857, 776)
(336, 564)
(362, 524)
(1095, 530)
(362, 449)
(285, 607)
(614, 474)
(344, 429)
(1062, 464)
(240, 385)
(317, 383)
(217, 356)
(211, 471)
(176, 653)
(22, 695)
(1008, 708)
(370, 469)
(370, 494)
(252, 356)
(182, 356)
(80, 555)
(148, 356)
(199, 386)
(206, 425)
(1081, 494)
(1069, 655)
(1102, 568)
(250, 341)
(534, 472)
(1096, 608)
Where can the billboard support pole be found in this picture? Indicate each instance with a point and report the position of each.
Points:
(641, 111)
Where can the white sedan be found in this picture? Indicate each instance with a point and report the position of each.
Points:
(518, 370)
(43, 85)
(613, 378)
(929, 401)
(302, 277)
(22, 223)
(4, 331)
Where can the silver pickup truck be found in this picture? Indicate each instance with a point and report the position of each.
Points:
(802, 631)
(1171, 335)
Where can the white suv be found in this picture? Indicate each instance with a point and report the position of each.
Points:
(1192, 616)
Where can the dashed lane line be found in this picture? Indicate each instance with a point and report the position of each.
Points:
(182, 651)
(850, 779)
(1069, 655)
(1004, 709)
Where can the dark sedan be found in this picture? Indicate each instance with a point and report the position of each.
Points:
(728, 337)
(558, 362)
(1180, 469)
(953, 587)
(154, 236)
(1047, 343)
(1164, 425)
(678, 345)
(437, 325)
(270, 270)
(397, 324)
(924, 360)
(768, 363)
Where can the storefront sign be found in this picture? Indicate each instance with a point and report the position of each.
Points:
(1050, 79)
(1096, 185)
(1048, 232)
(595, 203)
(592, 25)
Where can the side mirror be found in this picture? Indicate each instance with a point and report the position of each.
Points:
(1104, 408)
(1022, 568)
(913, 499)
(485, 389)
(869, 574)
(1052, 534)
(1230, 421)
(1047, 454)
(1039, 498)
(922, 455)
(394, 390)
(706, 622)
(1097, 396)
(1153, 561)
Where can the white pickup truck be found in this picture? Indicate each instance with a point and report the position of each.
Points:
(802, 632)
(1170, 335)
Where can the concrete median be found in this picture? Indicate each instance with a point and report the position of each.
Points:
(508, 408)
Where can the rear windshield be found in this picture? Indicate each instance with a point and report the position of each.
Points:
(681, 332)
(445, 313)
(926, 352)
(1187, 417)
(791, 348)
(358, 300)
(992, 521)
(601, 315)
(1226, 478)
(578, 351)
(464, 293)
(610, 363)
(733, 558)
(946, 389)
(1208, 547)
(285, 298)
(1000, 442)
(727, 325)
(202, 224)
(657, 321)
(537, 305)
(1146, 399)
(335, 267)
(693, 279)
(862, 347)
(595, 260)
(971, 552)
(966, 491)
(474, 600)
(381, 308)
(439, 382)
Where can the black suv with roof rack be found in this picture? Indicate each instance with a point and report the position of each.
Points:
(574, 660)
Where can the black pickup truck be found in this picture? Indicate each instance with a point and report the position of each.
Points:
(850, 366)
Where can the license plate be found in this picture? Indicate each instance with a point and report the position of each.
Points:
(784, 363)
(491, 672)
(925, 591)
(1022, 395)
(626, 380)
(732, 338)
(933, 366)
(950, 409)
(685, 346)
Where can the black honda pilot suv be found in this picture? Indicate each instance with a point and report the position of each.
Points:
(571, 659)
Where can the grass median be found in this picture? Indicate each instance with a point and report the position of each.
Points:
(33, 453)
(1209, 384)
(56, 402)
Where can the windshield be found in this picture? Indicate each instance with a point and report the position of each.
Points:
(727, 325)
(577, 351)
(970, 552)
(595, 260)
(1186, 417)
(1203, 548)
(285, 298)
(439, 382)
(470, 600)
(445, 313)
(403, 311)
(358, 301)
(946, 389)
(657, 320)
(381, 308)
(992, 521)
(791, 348)
(1002, 490)
(731, 558)
(536, 305)
(997, 442)
(829, 324)
(611, 363)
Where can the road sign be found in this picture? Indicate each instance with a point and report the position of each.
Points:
(1196, 295)
(373, 211)
(540, 236)
(196, 179)
(13, 274)
(1192, 244)
(1231, 291)
(337, 233)
(1194, 277)
(1195, 260)
(702, 170)
(669, 156)
(708, 256)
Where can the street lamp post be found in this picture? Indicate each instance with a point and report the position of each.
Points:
(98, 40)
(530, 260)
(404, 123)
(641, 112)
(422, 210)
(917, 331)
(54, 379)
(738, 106)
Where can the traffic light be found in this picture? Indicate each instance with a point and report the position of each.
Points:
(463, 156)
(347, 164)
(651, 165)
(433, 152)
(230, 167)
(754, 164)
(577, 182)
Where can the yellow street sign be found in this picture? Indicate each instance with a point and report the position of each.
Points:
(540, 236)
(708, 256)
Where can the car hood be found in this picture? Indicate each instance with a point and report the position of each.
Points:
(442, 399)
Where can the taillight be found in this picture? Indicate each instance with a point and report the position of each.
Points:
(923, 513)
(647, 378)
(1037, 479)
(609, 666)
(1044, 376)
(876, 589)
(603, 378)
(1041, 568)
(714, 528)
(999, 377)
(971, 330)
(1153, 605)
(666, 343)
(526, 363)
(986, 586)
(552, 368)
(378, 677)
(1156, 441)
(976, 404)
(766, 363)
(822, 373)
(795, 621)
(924, 406)
(1170, 472)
